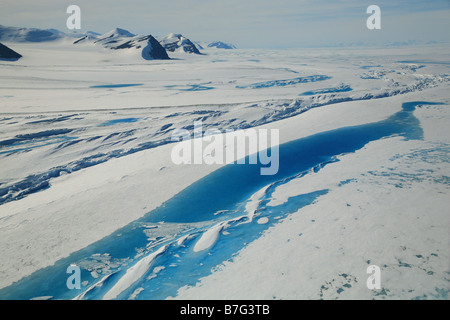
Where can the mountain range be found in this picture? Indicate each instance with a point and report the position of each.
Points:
(120, 39)
(15, 34)
(116, 39)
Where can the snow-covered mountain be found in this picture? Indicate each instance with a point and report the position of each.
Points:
(8, 54)
(121, 39)
(201, 45)
(86, 38)
(150, 47)
(113, 37)
(93, 33)
(15, 34)
(221, 45)
(175, 42)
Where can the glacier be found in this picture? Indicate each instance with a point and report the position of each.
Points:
(87, 179)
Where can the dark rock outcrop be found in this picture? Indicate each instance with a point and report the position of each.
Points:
(177, 43)
(8, 54)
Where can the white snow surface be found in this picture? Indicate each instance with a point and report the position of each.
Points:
(393, 212)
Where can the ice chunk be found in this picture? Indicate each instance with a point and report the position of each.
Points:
(210, 237)
(133, 274)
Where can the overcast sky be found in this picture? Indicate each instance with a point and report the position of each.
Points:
(246, 23)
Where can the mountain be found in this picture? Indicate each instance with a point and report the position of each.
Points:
(109, 40)
(92, 33)
(221, 45)
(121, 39)
(113, 37)
(177, 43)
(85, 38)
(8, 54)
(151, 48)
(199, 45)
(15, 34)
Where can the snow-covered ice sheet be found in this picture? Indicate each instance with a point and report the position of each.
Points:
(85, 143)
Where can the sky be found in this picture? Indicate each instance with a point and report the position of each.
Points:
(245, 23)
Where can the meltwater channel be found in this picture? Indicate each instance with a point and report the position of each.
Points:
(205, 224)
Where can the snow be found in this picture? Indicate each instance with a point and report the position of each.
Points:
(209, 237)
(386, 203)
(254, 202)
(263, 220)
(117, 32)
(176, 42)
(133, 274)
